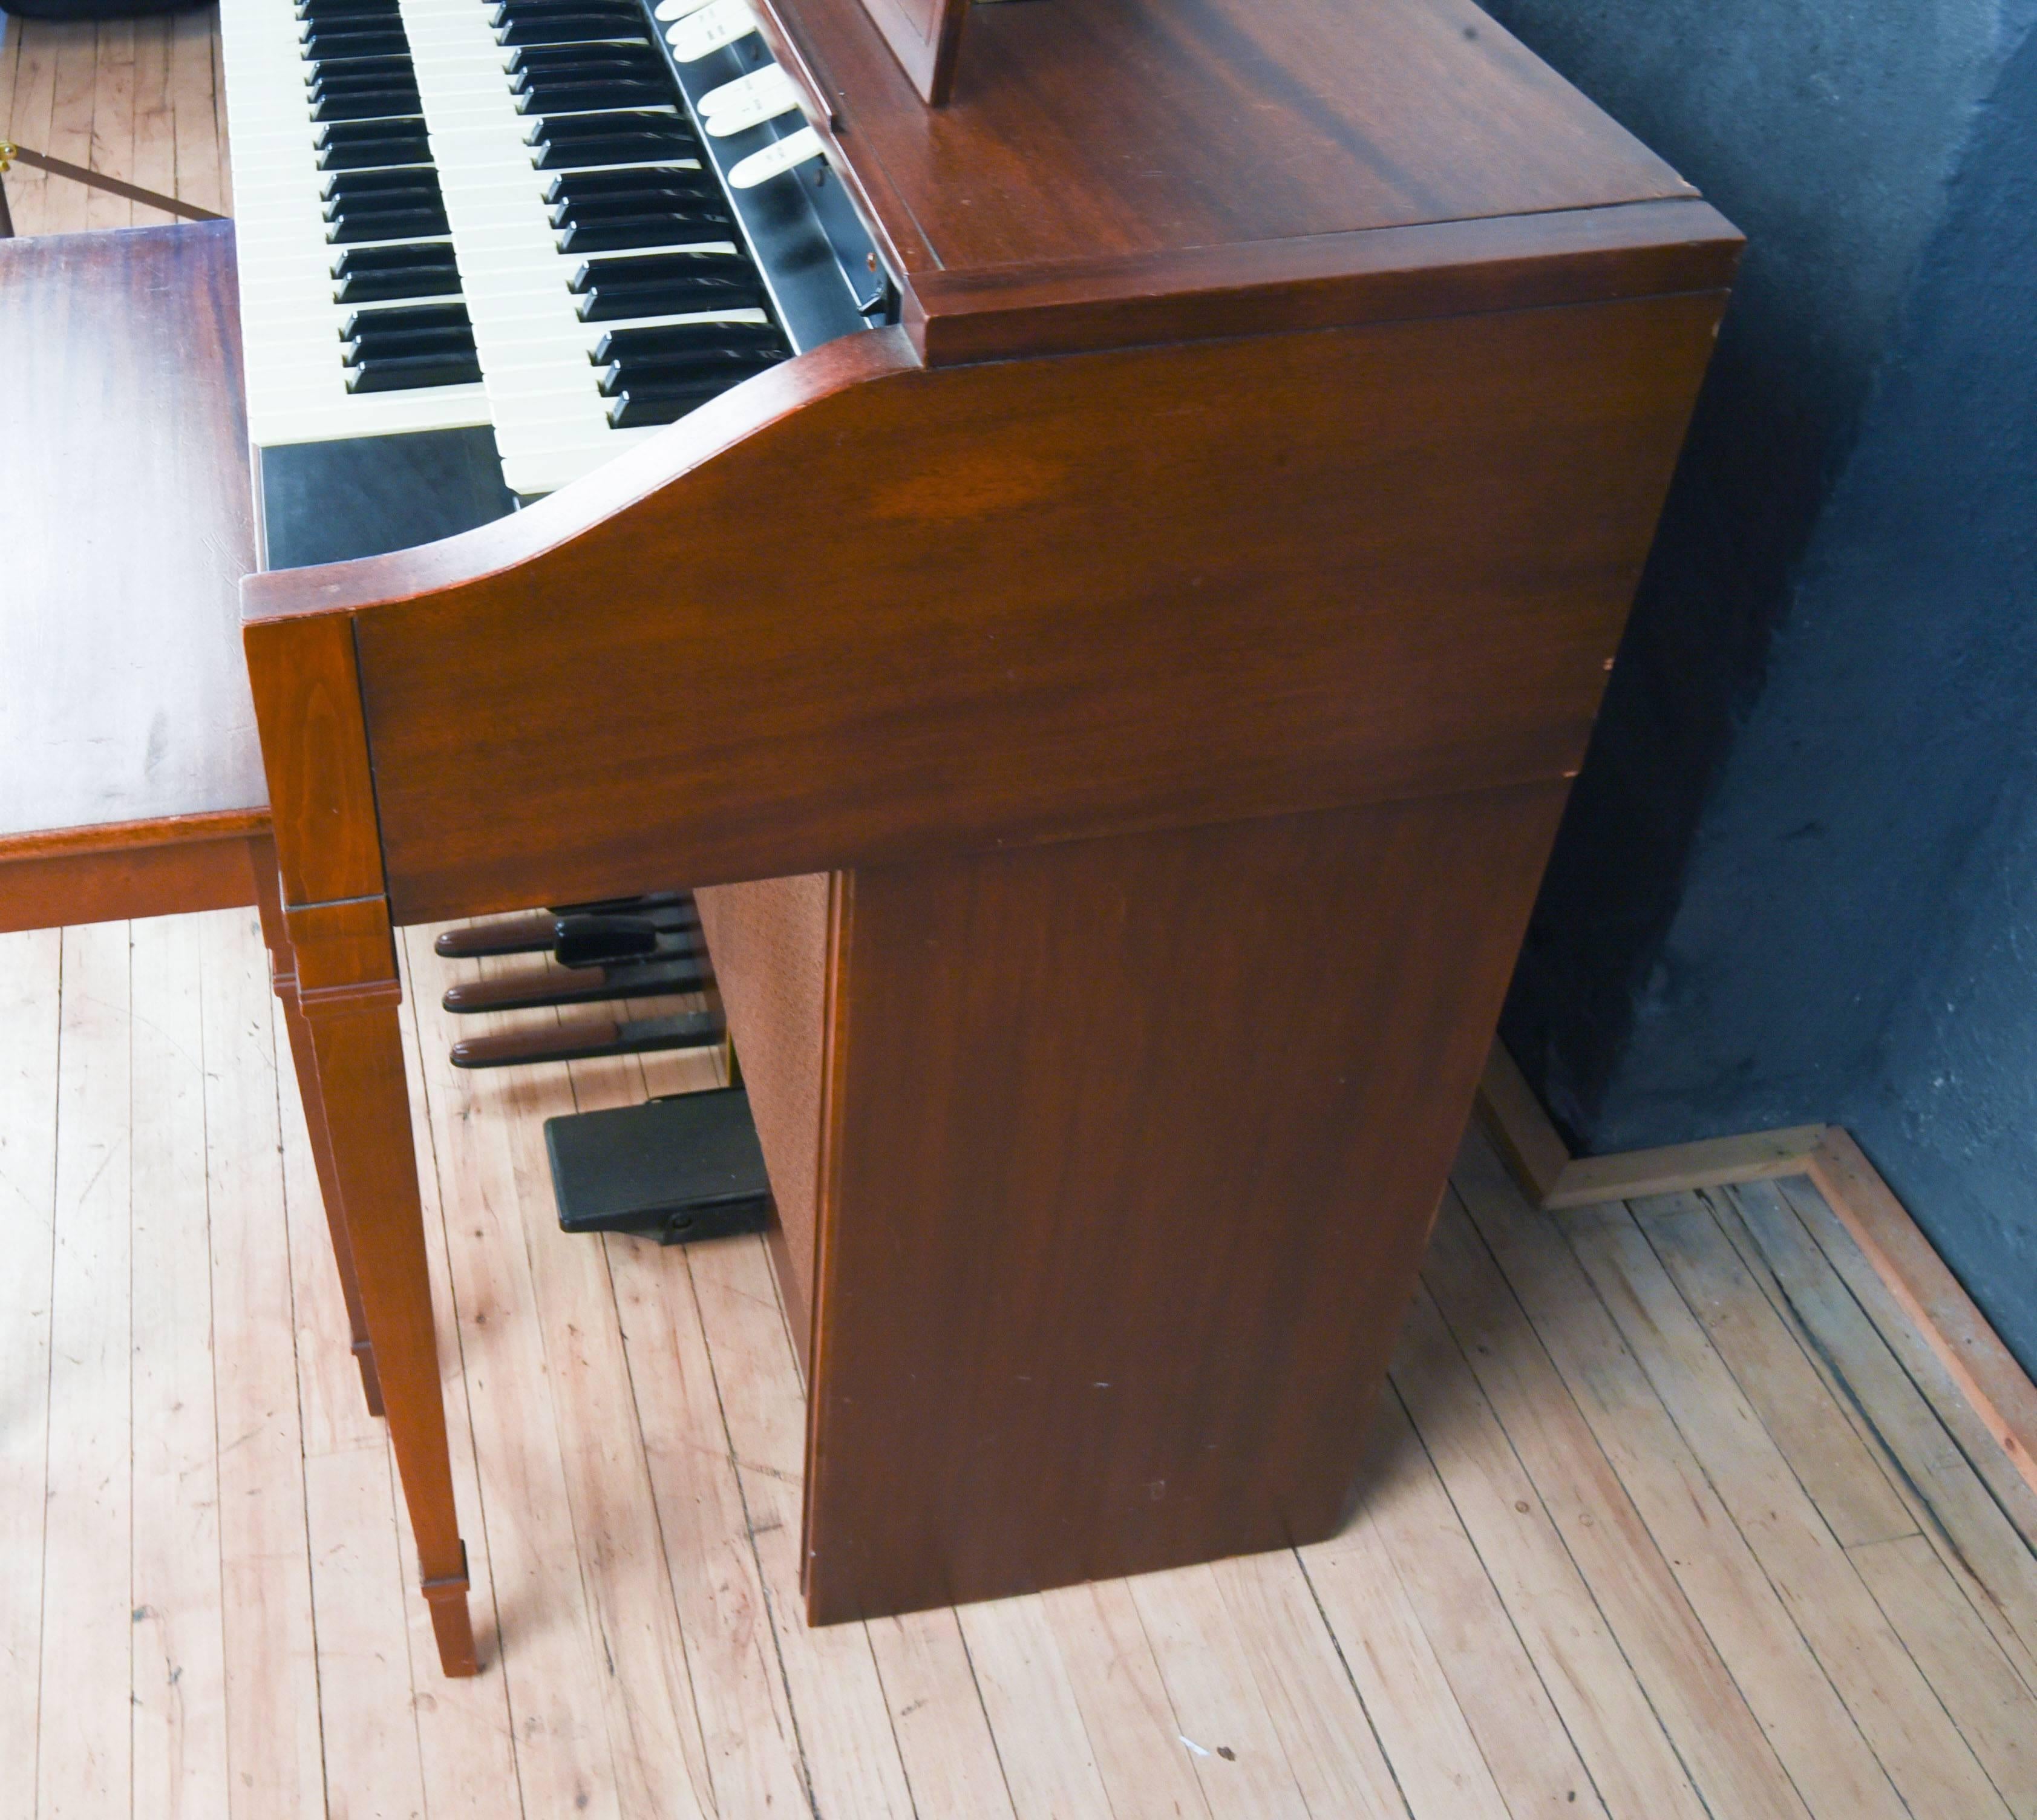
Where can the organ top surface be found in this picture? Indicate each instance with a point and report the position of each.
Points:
(1198, 143)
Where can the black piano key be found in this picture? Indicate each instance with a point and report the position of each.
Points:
(619, 149)
(564, 98)
(355, 224)
(362, 25)
(593, 185)
(500, 11)
(385, 344)
(321, 45)
(662, 122)
(360, 69)
(349, 19)
(355, 260)
(696, 206)
(385, 202)
(641, 406)
(371, 275)
(322, 71)
(567, 30)
(336, 82)
(538, 60)
(527, 84)
(394, 104)
(721, 276)
(618, 302)
(363, 132)
(621, 232)
(430, 280)
(685, 220)
(349, 9)
(624, 11)
(725, 365)
(399, 84)
(379, 186)
(408, 373)
(375, 154)
(683, 337)
(414, 316)
(590, 57)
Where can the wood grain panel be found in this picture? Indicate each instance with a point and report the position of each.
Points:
(108, 884)
(770, 944)
(129, 526)
(315, 752)
(1133, 125)
(340, 948)
(1021, 602)
(1137, 1144)
(1327, 281)
(925, 35)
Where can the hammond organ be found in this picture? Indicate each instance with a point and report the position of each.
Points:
(1091, 534)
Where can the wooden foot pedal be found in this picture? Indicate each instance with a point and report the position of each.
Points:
(591, 1041)
(579, 934)
(684, 971)
(677, 1169)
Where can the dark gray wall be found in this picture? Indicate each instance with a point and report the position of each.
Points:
(1795, 882)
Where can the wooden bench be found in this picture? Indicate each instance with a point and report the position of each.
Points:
(130, 776)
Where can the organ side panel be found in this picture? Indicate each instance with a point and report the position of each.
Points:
(769, 942)
(913, 610)
(1138, 1144)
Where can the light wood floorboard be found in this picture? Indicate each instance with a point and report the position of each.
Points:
(1666, 1515)
(137, 99)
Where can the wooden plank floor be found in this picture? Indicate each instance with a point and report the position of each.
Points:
(1670, 1512)
(134, 98)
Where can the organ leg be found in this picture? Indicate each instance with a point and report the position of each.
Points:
(283, 975)
(357, 1053)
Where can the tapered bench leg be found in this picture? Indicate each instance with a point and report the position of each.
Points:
(283, 976)
(338, 933)
(357, 1055)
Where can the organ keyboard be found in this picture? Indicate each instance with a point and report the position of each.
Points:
(1109, 675)
(505, 213)
(296, 312)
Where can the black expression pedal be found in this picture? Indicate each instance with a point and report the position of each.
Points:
(684, 1167)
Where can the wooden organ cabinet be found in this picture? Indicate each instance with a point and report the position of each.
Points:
(1113, 705)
